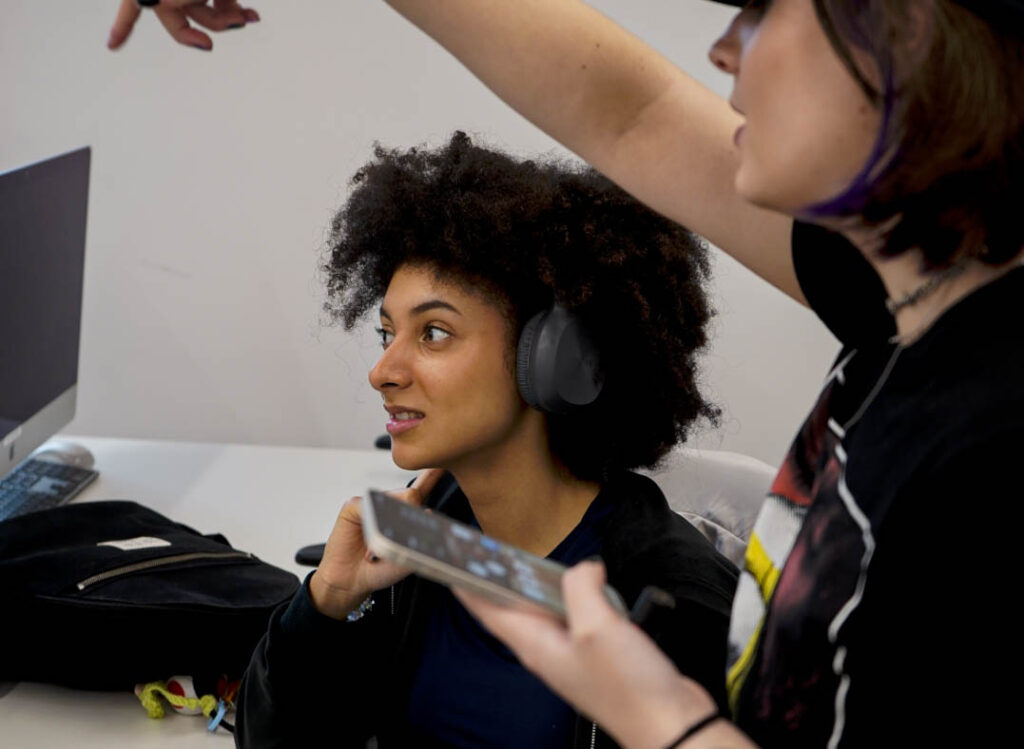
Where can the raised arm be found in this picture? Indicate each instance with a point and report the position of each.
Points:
(593, 86)
(620, 105)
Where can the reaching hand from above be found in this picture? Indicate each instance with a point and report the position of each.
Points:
(177, 16)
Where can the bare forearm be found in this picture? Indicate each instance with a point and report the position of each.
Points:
(560, 63)
(666, 715)
(718, 735)
(620, 105)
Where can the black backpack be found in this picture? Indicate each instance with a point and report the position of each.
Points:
(106, 595)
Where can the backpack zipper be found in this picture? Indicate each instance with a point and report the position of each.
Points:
(160, 562)
(593, 735)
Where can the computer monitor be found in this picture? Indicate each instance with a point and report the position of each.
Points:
(42, 258)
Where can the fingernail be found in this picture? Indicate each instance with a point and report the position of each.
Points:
(236, 26)
(200, 46)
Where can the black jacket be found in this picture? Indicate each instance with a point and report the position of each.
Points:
(314, 680)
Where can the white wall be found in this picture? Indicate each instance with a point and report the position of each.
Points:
(215, 175)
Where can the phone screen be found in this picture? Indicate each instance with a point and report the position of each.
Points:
(467, 549)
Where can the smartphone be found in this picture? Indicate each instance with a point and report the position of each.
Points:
(453, 553)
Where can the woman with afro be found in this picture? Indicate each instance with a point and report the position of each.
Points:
(456, 249)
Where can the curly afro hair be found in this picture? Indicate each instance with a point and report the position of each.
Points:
(526, 234)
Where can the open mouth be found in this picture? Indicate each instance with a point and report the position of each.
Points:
(403, 419)
(406, 415)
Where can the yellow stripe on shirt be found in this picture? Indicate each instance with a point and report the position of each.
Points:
(759, 565)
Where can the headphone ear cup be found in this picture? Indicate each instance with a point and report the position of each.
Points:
(524, 353)
(557, 366)
(578, 376)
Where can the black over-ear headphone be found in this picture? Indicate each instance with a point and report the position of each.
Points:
(557, 366)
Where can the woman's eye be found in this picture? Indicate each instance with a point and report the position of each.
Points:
(386, 336)
(433, 334)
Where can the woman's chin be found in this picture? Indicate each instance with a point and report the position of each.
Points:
(405, 462)
(756, 189)
(410, 460)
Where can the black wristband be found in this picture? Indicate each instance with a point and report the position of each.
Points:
(700, 724)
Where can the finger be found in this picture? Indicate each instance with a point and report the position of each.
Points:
(216, 19)
(251, 16)
(586, 608)
(419, 490)
(177, 25)
(351, 511)
(124, 22)
(426, 481)
(228, 4)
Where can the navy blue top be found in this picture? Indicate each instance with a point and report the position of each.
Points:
(470, 690)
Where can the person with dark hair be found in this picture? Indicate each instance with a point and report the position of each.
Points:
(869, 163)
(458, 248)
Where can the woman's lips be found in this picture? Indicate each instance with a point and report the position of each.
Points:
(398, 426)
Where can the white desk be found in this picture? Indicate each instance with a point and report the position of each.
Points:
(267, 500)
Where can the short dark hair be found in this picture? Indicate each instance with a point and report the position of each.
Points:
(527, 234)
(949, 162)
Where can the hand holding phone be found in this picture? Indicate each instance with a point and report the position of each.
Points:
(346, 575)
(453, 553)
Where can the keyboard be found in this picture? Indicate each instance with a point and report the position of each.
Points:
(39, 485)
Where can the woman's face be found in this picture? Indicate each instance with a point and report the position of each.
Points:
(444, 374)
(809, 127)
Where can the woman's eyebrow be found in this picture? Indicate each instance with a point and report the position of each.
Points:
(419, 309)
(422, 307)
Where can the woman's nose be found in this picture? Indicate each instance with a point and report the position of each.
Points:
(725, 52)
(391, 370)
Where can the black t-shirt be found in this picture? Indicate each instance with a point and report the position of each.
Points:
(469, 689)
(885, 548)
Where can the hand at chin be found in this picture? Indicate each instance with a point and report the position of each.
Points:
(349, 571)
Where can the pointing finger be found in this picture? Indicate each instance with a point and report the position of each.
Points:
(127, 14)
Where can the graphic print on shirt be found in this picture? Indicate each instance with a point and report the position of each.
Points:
(804, 556)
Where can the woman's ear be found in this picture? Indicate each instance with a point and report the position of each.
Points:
(912, 31)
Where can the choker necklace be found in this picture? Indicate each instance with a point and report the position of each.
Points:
(916, 295)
